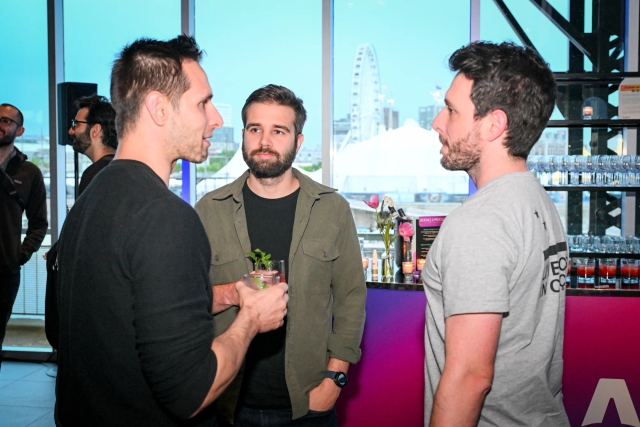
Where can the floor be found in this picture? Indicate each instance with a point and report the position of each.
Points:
(27, 394)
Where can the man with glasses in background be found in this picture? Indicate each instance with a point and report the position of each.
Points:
(94, 134)
(22, 189)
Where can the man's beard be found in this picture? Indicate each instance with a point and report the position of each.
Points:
(7, 139)
(81, 142)
(269, 168)
(463, 155)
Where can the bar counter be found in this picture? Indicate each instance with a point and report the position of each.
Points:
(601, 381)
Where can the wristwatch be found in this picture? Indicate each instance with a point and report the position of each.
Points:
(340, 378)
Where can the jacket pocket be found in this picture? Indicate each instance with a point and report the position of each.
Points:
(226, 267)
(319, 255)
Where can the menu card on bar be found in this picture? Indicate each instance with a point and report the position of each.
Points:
(426, 232)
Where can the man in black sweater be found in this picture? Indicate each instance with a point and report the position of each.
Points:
(136, 337)
(22, 190)
(94, 134)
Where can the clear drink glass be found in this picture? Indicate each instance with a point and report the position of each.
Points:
(261, 279)
(636, 169)
(601, 169)
(543, 169)
(589, 167)
(628, 177)
(577, 177)
(607, 269)
(614, 169)
(629, 273)
(585, 270)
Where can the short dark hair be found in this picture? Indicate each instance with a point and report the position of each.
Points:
(513, 79)
(101, 112)
(280, 95)
(20, 116)
(147, 65)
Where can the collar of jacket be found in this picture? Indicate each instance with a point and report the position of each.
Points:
(16, 161)
(309, 186)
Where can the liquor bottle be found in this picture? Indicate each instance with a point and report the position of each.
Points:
(402, 247)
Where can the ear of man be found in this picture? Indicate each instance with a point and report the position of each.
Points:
(497, 125)
(96, 131)
(158, 107)
(299, 141)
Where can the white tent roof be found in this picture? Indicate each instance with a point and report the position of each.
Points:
(406, 159)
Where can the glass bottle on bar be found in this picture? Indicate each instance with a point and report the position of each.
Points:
(402, 247)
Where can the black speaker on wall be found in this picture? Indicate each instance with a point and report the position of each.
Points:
(68, 92)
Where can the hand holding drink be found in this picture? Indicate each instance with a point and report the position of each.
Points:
(267, 307)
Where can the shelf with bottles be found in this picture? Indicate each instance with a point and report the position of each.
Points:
(604, 273)
(586, 173)
(587, 188)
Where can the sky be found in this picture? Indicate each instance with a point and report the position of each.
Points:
(250, 43)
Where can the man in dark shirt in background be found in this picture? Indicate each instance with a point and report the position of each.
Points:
(94, 134)
(136, 339)
(22, 189)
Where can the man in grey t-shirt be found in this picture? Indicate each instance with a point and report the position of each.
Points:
(495, 276)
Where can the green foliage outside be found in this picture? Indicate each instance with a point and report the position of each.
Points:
(313, 167)
(217, 162)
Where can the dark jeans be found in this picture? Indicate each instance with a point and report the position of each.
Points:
(9, 285)
(248, 417)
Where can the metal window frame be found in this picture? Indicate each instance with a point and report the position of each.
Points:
(188, 27)
(57, 171)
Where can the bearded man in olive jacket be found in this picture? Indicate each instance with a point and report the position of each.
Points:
(298, 370)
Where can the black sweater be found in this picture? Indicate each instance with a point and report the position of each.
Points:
(29, 183)
(135, 305)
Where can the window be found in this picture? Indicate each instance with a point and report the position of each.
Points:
(523, 23)
(390, 77)
(94, 33)
(25, 85)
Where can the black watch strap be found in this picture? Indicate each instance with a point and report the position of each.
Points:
(340, 378)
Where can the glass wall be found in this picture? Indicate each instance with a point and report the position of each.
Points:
(25, 84)
(390, 77)
(94, 32)
(523, 23)
(249, 44)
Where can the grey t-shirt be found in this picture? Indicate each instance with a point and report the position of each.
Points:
(504, 251)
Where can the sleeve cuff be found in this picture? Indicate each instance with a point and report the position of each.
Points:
(339, 348)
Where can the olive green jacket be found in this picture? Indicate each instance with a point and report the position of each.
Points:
(325, 280)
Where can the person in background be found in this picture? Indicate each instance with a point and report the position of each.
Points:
(292, 376)
(94, 134)
(22, 190)
(495, 276)
(136, 340)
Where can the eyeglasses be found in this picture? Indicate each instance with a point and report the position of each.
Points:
(75, 122)
(6, 121)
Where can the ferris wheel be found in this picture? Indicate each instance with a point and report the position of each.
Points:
(365, 87)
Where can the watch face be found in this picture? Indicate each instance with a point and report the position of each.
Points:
(341, 379)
